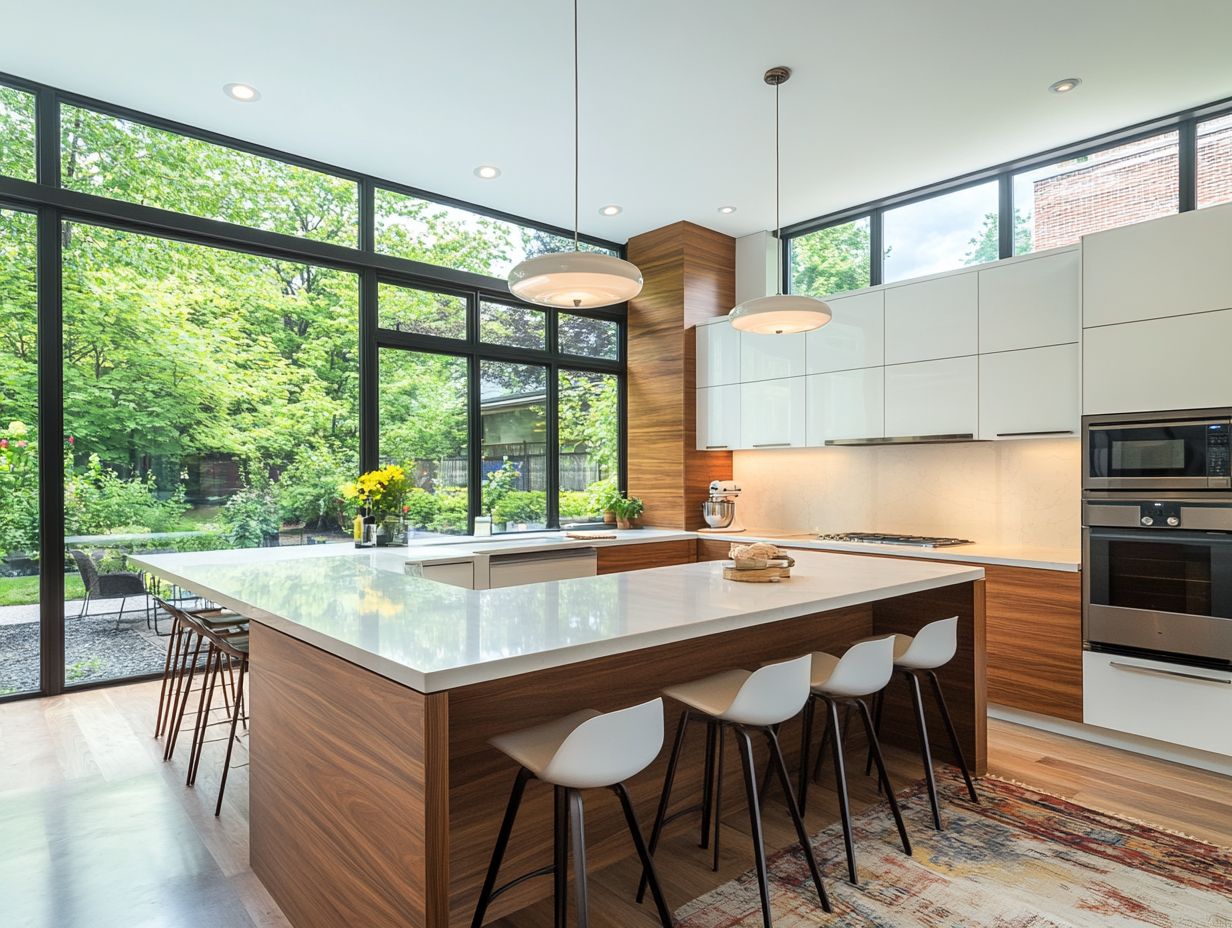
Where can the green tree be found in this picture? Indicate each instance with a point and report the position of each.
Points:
(986, 246)
(832, 260)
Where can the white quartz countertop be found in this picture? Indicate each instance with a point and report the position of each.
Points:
(444, 550)
(360, 605)
(1066, 559)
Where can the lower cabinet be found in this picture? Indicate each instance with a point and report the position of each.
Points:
(614, 559)
(844, 404)
(772, 413)
(1180, 705)
(929, 398)
(1029, 393)
(718, 418)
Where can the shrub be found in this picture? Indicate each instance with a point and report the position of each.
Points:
(308, 490)
(451, 503)
(521, 506)
(422, 508)
(252, 514)
(97, 501)
(19, 506)
(575, 504)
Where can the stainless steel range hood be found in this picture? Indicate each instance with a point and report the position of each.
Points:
(902, 440)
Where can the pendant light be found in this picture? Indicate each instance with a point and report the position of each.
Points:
(783, 313)
(575, 279)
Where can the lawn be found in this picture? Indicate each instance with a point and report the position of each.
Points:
(23, 591)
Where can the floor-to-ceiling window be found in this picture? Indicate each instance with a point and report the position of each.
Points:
(20, 442)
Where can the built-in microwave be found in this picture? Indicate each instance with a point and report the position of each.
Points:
(1179, 450)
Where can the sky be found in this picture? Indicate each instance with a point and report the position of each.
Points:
(935, 235)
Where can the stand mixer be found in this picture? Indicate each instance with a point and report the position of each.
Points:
(720, 509)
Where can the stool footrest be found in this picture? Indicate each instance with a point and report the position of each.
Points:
(542, 871)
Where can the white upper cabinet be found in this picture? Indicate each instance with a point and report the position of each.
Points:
(1029, 393)
(845, 405)
(1167, 267)
(718, 354)
(932, 398)
(718, 417)
(768, 357)
(772, 413)
(932, 319)
(1181, 362)
(1031, 302)
(854, 337)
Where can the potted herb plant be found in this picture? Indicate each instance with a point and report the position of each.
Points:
(604, 499)
(627, 509)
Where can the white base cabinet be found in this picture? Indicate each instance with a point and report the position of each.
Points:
(718, 418)
(1180, 362)
(1148, 698)
(1029, 393)
(845, 405)
(772, 413)
(932, 398)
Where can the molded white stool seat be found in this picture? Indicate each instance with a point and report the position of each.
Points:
(933, 646)
(863, 670)
(584, 750)
(739, 701)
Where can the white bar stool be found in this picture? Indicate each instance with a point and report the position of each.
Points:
(933, 646)
(863, 670)
(741, 701)
(585, 750)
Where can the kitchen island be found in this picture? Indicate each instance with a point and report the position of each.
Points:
(374, 798)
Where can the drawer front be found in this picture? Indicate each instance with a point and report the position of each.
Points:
(1148, 698)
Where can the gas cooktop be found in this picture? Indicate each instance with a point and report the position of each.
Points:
(880, 538)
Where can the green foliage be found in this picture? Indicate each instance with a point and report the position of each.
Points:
(451, 513)
(986, 246)
(19, 486)
(98, 501)
(499, 484)
(832, 260)
(576, 504)
(530, 506)
(80, 670)
(309, 489)
(17, 133)
(628, 508)
(252, 514)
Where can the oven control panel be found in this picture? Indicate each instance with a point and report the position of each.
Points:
(1218, 462)
(1159, 514)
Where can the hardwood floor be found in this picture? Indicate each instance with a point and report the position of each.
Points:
(99, 832)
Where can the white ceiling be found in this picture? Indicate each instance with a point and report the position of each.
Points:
(887, 94)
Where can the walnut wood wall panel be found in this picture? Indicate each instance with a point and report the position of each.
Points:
(689, 275)
(480, 777)
(712, 550)
(618, 558)
(347, 769)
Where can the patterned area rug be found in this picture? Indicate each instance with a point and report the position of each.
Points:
(1020, 859)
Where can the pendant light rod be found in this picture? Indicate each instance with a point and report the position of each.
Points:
(577, 135)
(776, 77)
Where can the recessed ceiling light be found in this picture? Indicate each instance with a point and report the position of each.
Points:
(487, 171)
(727, 210)
(1065, 85)
(245, 93)
(610, 210)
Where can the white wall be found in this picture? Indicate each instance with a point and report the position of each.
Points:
(1023, 493)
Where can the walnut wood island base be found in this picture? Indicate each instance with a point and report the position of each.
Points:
(376, 802)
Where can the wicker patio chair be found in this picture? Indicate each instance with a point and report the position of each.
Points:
(121, 585)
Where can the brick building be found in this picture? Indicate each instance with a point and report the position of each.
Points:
(1127, 184)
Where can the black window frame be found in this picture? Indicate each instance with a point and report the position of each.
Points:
(1183, 122)
(53, 205)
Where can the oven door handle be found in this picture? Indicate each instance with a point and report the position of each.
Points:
(1213, 539)
(1137, 668)
(1161, 424)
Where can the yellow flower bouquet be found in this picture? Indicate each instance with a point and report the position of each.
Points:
(383, 492)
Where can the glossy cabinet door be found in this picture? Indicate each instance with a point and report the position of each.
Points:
(1167, 267)
(1181, 362)
(932, 319)
(854, 337)
(772, 413)
(1031, 302)
(718, 417)
(844, 405)
(718, 354)
(768, 357)
(932, 398)
(1030, 393)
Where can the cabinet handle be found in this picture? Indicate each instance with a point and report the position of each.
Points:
(1041, 432)
(902, 440)
(1167, 673)
(709, 447)
(773, 444)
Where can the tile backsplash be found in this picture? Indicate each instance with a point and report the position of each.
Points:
(1002, 493)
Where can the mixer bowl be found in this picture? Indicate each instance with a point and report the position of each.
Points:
(719, 512)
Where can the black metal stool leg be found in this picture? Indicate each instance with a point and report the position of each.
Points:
(578, 842)
(666, 796)
(949, 727)
(806, 746)
(502, 842)
(878, 705)
(922, 725)
(840, 777)
(707, 786)
(665, 914)
(776, 759)
(826, 735)
(874, 745)
(560, 858)
(720, 728)
(759, 847)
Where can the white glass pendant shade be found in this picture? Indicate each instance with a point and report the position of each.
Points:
(575, 280)
(781, 314)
